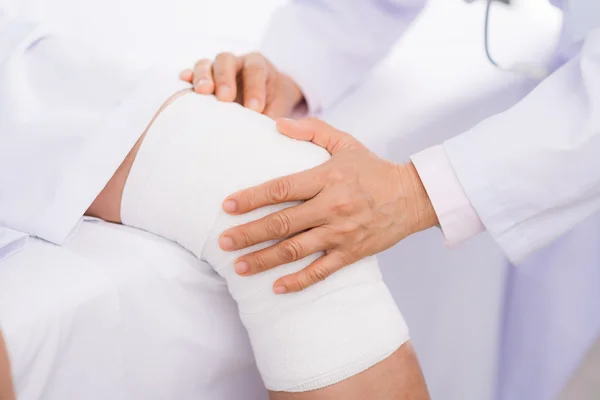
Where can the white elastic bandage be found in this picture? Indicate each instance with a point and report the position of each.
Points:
(197, 152)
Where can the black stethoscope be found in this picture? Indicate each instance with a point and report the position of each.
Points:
(532, 71)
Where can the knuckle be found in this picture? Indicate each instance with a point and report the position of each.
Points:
(253, 88)
(224, 75)
(202, 64)
(301, 284)
(335, 175)
(256, 59)
(290, 251)
(345, 258)
(254, 77)
(254, 63)
(223, 69)
(255, 55)
(279, 190)
(318, 274)
(330, 237)
(245, 238)
(278, 225)
(348, 227)
(260, 263)
(246, 200)
(344, 206)
(224, 56)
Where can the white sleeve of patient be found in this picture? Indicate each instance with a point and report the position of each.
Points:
(69, 114)
(197, 152)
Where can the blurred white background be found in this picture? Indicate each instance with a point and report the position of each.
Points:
(435, 84)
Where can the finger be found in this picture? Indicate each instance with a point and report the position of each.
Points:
(187, 75)
(255, 82)
(300, 186)
(203, 81)
(284, 252)
(318, 271)
(224, 74)
(316, 131)
(277, 108)
(278, 225)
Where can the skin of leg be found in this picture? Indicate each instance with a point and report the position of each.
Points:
(6, 385)
(397, 377)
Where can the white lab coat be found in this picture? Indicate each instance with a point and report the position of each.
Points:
(532, 173)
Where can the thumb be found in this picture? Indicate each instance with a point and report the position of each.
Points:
(316, 131)
(277, 109)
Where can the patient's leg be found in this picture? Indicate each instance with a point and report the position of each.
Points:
(6, 388)
(397, 377)
(343, 338)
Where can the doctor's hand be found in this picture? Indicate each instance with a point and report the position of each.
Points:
(357, 205)
(250, 80)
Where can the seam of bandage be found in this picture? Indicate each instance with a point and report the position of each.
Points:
(166, 143)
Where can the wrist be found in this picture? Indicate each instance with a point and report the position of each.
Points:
(419, 202)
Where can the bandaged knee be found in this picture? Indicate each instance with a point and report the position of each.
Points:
(197, 152)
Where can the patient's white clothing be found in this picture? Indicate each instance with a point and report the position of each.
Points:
(197, 152)
(69, 114)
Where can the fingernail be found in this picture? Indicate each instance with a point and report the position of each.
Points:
(280, 289)
(226, 243)
(254, 104)
(224, 91)
(241, 267)
(202, 82)
(229, 206)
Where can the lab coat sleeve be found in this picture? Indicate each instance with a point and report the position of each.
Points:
(68, 118)
(329, 46)
(533, 172)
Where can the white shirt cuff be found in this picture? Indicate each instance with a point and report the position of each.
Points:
(456, 215)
